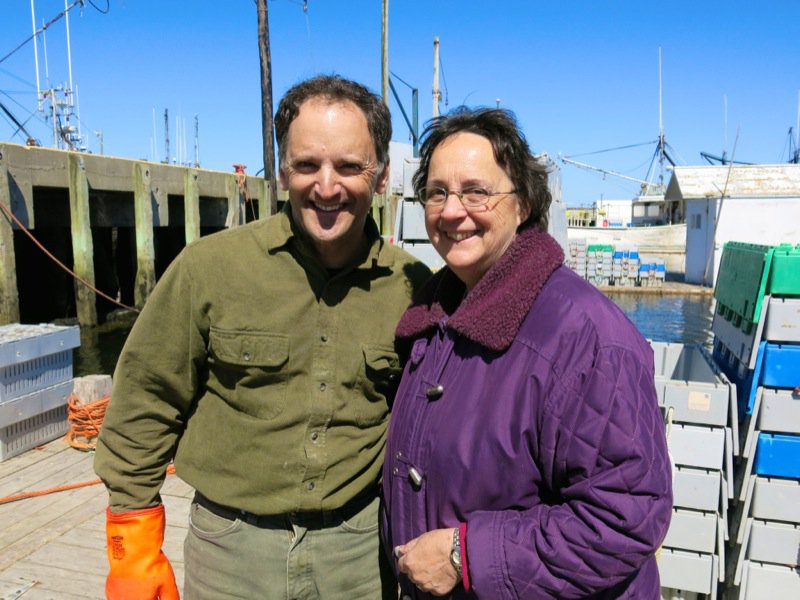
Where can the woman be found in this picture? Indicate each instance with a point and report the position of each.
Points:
(526, 455)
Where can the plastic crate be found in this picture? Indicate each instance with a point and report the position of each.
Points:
(37, 430)
(785, 271)
(742, 282)
(688, 382)
(34, 357)
(778, 455)
(782, 322)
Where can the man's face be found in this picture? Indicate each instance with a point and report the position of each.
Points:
(330, 171)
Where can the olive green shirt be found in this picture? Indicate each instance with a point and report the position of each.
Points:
(266, 378)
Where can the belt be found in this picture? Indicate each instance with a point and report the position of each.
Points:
(307, 519)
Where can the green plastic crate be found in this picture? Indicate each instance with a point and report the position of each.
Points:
(742, 282)
(785, 271)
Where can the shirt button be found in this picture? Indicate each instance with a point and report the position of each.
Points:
(247, 356)
(399, 455)
(314, 436)
(323, 387)
(395, 471)
(310, 486)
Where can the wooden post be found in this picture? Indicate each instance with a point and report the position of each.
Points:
(9, 296)
(82, 245)
(143, 214)
(267, 201)
(191, 205)
(385, 52)
(235, 200)
(267, 124)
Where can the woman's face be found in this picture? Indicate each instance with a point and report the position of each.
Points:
(470, 241)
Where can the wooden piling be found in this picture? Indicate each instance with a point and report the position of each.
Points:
(191, 206)
(235, 202)
(143, 200)
(82, 245)
(9, 297)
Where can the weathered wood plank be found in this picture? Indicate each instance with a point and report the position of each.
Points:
(59, 580)
(50, 470)
(59, 539)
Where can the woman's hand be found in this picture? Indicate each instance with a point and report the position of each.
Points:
(426, 562)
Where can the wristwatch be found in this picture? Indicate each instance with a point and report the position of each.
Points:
(455, 554)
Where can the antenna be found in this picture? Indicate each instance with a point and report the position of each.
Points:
(436, 94)
(166, 135)
(196, 141)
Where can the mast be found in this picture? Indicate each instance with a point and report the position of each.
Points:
(385, 52)
(436, 92)
(660, 127)
(36, 59)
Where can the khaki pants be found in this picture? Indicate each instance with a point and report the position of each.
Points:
(286, 557)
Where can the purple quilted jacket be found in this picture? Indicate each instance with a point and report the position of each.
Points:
(528, 411)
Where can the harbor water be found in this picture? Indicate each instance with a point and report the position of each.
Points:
(664, 318)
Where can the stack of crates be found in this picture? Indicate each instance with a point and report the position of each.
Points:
(625, 266)
(652, 272)
(35, 382)
(699, 404)
(599, 264)
(576, 257)
(757, 342)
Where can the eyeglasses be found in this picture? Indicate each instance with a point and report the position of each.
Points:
(471, 197)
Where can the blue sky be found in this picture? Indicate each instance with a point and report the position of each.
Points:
(581, 76)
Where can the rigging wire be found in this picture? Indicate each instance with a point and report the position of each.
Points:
(444, 80)
(612, 149)
(44, 27)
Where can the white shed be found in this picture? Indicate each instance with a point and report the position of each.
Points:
(759, 204)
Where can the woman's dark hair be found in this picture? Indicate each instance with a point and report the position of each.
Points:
(333, 88)
(511, 152)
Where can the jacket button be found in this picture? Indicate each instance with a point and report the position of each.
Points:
(323, 387)
(247, 356)
(415, 476)
(314, 436)
(434, 392)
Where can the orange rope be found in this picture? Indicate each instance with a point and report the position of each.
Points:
(61, 488)
(85, 421)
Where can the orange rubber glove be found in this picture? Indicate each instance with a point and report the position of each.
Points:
(139, 568)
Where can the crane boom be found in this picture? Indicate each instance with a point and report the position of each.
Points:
(576, 163)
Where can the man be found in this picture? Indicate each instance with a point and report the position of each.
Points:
(263, 364)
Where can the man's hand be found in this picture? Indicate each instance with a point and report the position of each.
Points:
(426, 561)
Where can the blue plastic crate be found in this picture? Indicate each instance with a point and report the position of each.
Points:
(778, 455)
(781, 365)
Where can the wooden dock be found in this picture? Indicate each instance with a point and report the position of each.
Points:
(53, 546)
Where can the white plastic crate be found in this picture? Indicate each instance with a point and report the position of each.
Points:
(34, 357)
(35, 431)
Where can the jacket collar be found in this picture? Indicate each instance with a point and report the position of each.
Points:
(492, 313)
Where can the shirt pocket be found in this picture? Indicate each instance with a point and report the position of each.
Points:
(378, 380)
(251, 369)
